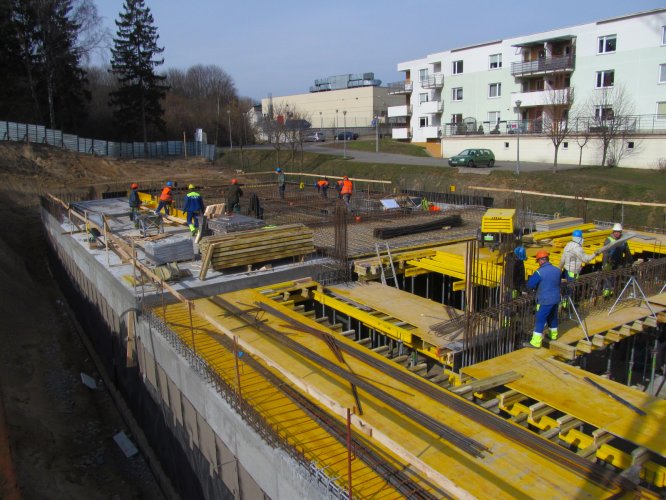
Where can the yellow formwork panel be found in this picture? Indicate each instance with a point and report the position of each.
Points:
(287, 418)
(499, 474)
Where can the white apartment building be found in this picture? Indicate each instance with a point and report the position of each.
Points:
(492, 92)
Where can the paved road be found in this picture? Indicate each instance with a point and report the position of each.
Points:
(396, 159)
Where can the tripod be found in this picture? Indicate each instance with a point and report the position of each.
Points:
(578, 318)
(635, 290)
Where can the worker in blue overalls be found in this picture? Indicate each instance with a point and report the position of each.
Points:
(193, 206)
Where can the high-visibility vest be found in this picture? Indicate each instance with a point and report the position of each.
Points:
(346, 187)
(322, 183)
(166, 194)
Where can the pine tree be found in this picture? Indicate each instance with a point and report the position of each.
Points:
(138, 99)
(52, 80)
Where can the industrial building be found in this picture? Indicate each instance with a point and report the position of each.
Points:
(592, 77)
(356, 102)
(369, 352)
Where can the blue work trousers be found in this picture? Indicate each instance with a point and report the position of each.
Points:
(545, 314)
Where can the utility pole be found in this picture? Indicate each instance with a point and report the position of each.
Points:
(231, 144)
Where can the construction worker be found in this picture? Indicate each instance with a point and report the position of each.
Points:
(518, 275)
(573, 256)
(618, 255)
(166, 197)
(233, 195)
(546, 282)
(346, 191)
(134, 204)
(322, 187)
(193, 205)
(281, 181)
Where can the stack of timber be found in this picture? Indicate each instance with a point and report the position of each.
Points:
(252, 247)
(551, 225)
(433, 225)
(226, 224)
(173, 249)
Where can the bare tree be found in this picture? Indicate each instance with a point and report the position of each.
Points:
(611, 109)
(559, 100)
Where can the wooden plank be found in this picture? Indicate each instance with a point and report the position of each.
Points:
(562, 350)
(485, 384)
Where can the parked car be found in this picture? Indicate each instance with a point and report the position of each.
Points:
(473, 158)
(315, 137)
(350, 136)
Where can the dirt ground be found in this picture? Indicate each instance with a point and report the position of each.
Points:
(56, 435)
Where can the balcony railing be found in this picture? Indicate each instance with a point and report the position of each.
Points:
(400, 133)
(435, 81)
(544, 65)
(404, 87)
(431, 107)
(395, 111)
(551, 97)
(630, 125)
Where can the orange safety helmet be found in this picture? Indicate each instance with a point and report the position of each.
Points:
(541, 254)
(134, 186)
(346, 178)
(234, 181)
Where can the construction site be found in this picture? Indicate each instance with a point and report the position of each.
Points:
(302, 348)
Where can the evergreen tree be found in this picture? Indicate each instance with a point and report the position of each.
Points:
(141, 90)
(52, 82)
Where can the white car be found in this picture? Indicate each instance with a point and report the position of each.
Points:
(315, 137)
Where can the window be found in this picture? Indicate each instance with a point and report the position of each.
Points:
(493, 118)
(457, 94)
(661, 110)
(423, 98)
(494, 90)
(457, 118)
(565, 145)
(605, 78)
(662, 73)
(457, 67)
(506, 145)
(630, 144)
(423, 75)
(423, 121)
(663, 35)
(495, 61)
(602, 113)
(607, 44)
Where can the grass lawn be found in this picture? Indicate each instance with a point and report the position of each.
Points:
(385, 146)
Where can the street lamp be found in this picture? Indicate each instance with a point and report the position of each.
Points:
(344, 133)
(336, 124)
(321, 122)
(518, 103)
(376, 134)
(231, 144)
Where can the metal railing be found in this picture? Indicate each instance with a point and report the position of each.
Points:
(434, 81)
(627, 125)
(544, 64)
(22, 132)
(403, 87)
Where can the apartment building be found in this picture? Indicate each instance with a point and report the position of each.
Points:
(588, 74)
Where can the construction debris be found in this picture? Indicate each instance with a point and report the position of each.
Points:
(439, 223)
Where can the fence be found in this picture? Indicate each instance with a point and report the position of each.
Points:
(625, 125)
(10, 131)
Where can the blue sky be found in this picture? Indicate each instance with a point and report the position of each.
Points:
(281, 47)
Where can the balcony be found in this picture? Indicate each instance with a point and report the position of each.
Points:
(429, 132)
(542, 97)
(435, 81)
(395, 111)
(543, 65)
(431, 107)
(400, 133)
(404, 87)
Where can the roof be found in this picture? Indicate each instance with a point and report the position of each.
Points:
(561, 38)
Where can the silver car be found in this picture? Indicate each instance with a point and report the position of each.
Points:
(315, 137)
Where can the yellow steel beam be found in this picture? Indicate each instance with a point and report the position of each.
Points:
(398, 333)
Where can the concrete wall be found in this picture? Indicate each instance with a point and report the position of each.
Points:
(647, 152)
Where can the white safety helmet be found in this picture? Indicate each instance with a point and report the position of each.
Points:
(617, 227)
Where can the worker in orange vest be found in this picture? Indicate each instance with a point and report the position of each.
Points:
(165, 199)
(322, 187)
(346, 191)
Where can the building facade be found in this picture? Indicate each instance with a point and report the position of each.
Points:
(584, 77)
